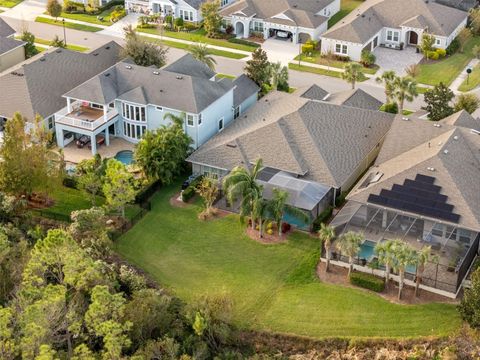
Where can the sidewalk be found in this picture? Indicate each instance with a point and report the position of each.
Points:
(463, 75)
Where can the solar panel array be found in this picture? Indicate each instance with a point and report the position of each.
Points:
(420, 196)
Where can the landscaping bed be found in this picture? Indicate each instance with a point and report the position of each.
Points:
(273, 287)
(94, 19)
(69, 25)
(319, 71)
(316, 58)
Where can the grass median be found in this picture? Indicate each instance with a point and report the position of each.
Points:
(70, 25)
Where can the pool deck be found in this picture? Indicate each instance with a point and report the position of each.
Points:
(74, 155)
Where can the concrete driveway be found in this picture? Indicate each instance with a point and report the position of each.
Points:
(116, 29)
(280, 50)
(27, 10)
(396, 60)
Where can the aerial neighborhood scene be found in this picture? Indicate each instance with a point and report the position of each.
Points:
(240, 179)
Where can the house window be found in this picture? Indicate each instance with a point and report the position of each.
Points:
(134, 131)
(190, 120)
(199, 119)
(437, 41)
(159, 108)
(96, 106)
(50, 123)
(133, 112)
(224, 2)
(186, 15)
(220, 124)
(256, 26)
(393, 35)
(236, 112)
(341, 49)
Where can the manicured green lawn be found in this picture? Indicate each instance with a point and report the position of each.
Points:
(317, 59)
(273, 286)
(69, 46)
(318, 71)
(179, 45)
(226, 76)
(9, 3)
(69, 25)
(346, 7)
(473, 82)
(91, 18)
(447, 70)
(198, 36)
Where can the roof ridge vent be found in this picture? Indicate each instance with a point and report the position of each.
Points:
(431, 169)
(455, 137)
(437, 125)
(179, 77)
(405, 119)
(445, 151)
(129, 67)
(156, 73)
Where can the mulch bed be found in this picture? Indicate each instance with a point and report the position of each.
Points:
(338, 275)
(266, 239)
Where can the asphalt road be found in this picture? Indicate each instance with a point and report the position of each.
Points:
(224, 65)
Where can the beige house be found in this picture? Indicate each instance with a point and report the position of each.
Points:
(12, 51)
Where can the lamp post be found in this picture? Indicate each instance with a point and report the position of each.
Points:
(469, 71)
(64, 33)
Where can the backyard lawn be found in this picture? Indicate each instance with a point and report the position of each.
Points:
(273, 286)
(346, 7)
(448, 69)
(91, 18)
(198, 36)
(9, 3)
(69, 25)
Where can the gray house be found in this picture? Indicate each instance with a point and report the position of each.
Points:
(424, 189)
(126, 100)
(12, 51)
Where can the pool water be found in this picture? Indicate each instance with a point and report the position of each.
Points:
(298, 223)
(125, 157)
(367, 252)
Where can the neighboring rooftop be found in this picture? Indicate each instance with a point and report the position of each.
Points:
(187, 65)
(464, 5)
(285, 12)
(244, 88)
(36, 86)
(355, 98)
(321, 142)
(463, 119)
(315, 92)
(5, 29)
(8, 44)
(449, 154)
(370, 17)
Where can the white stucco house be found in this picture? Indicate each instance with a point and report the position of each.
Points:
(394, 24)
(292, 20)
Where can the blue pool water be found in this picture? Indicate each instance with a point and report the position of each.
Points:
(367, 252)
(292, 220)
(125, 157)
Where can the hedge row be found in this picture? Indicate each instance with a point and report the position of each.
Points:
(367, 281)
(243, 42)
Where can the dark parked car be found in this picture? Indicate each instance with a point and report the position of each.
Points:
(82, 141)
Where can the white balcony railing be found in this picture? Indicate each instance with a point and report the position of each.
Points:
(62, 117)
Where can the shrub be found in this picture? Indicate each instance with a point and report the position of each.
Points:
(391, 108)
(72, 6)
(432, 55)
(368, 58)
(243, 42)
(453, 47)
(322, 218)
(307, 49)
(118, 13)
(179, 22)
(70, 182)
(286, 227)
(367, 281)
(342, 58)
(229, 30)
(146, 192)
(169, 20)
(188, 194)
(189, 26)
(441, 53)
(340, 199)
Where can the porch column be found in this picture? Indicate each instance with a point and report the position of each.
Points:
(60, 137)
(105, 111)
(246, 30)
(107, 137)
(69, 105)
(93, 142)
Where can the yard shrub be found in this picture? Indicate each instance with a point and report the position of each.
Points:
(70, 182)
(243, 42)
(190, 26)
(286, 227)
(323, 217)
(453, 47)
(432, 55)
(340, 200)
(118, 13)
(72, 7)
(367, 281)
(179, 22)
(441, 53)
(307, 49)
(368, 58)
(391, 108)
(188, 194)
(147, 191)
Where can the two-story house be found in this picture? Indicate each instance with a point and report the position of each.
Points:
(394, 24)
(297, 21)
(126, 100)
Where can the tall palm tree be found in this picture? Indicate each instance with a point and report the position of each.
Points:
(326, 235)
(277, 207)
(202, 53)
(422, 257)
(388, 79)
(242, 183)
(353, 73)
(386, 256)
(260, 213)
(349, 244)
(405, 88)
(404, 256)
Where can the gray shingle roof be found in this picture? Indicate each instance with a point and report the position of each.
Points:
(8, 44)
(355, 98)
(5, 29)
(37, 85)
(323, 142)
(370, 17)
(187, 65)
(151, 86)
(463, 119)
(415, 146)
(464, 5)
(315, 92)
(299, 13)
(244, 88)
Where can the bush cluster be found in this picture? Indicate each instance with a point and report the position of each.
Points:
(243, 42)
(190, 192)
(453, 47)
(391, 108)
(367, 281)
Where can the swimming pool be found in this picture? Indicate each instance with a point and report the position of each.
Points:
(125, 157)
(367, 252)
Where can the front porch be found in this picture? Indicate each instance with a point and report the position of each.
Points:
(74, 155)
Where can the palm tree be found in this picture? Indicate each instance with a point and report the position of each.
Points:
(176, 119)
(260, 211)
(326, 235)
(349, 244)
(404, 256)
(353, 73)
(386, 257)
(277, 207)
(422, 257)
(405, 88)
(202, 53)
(279, 74)
(388, 79)
(242, 183)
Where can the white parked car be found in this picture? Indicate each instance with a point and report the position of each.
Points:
(282, 34)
